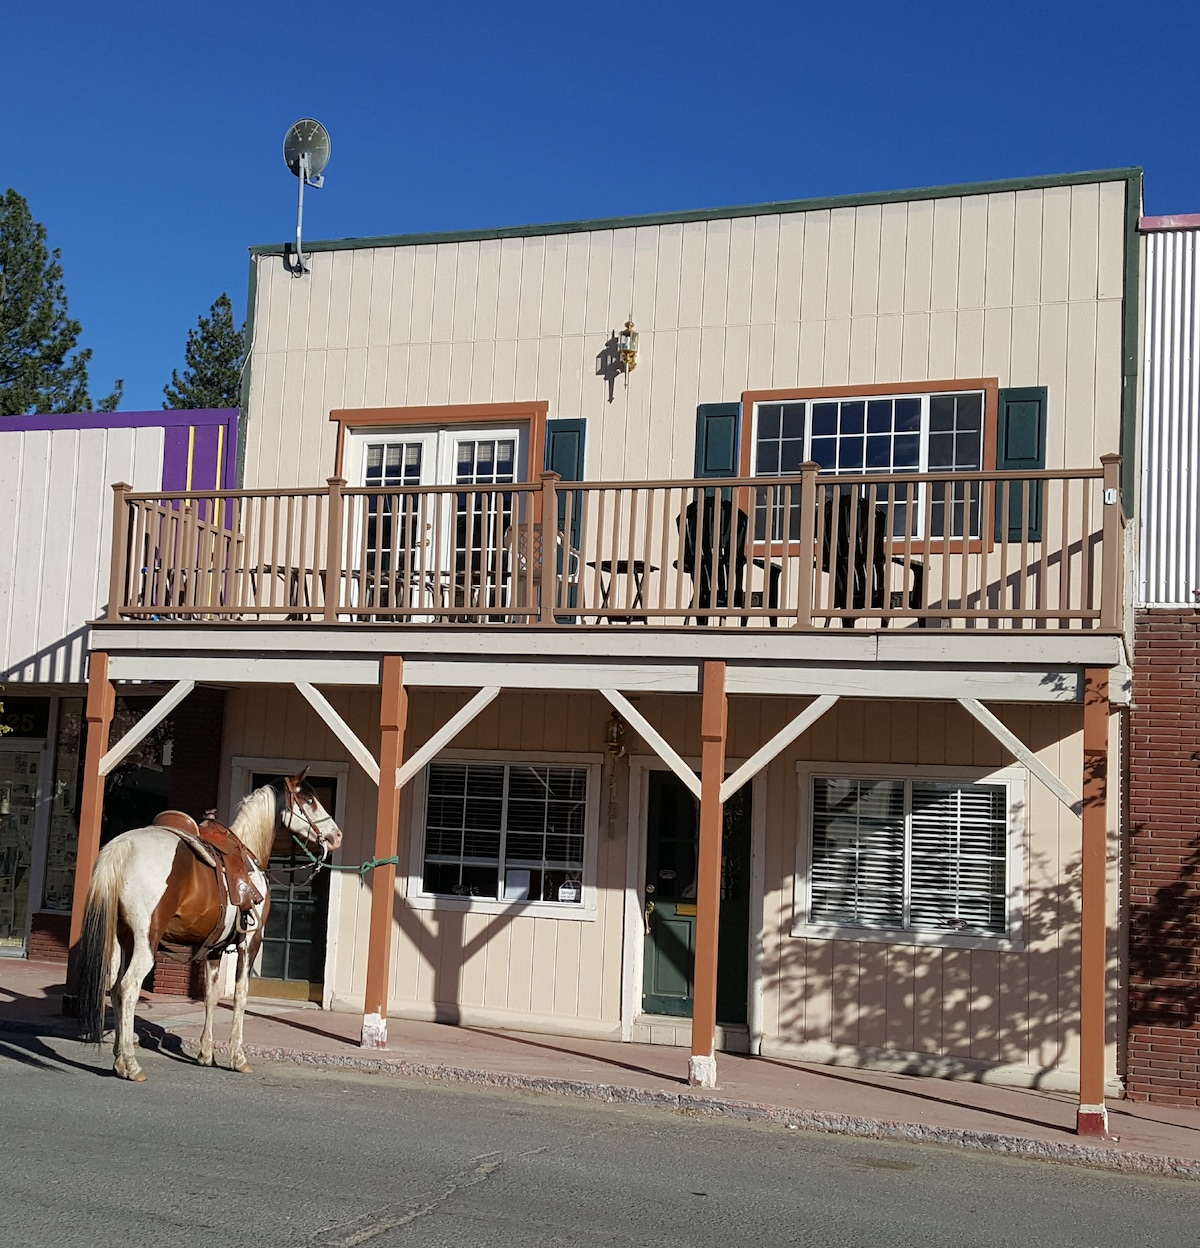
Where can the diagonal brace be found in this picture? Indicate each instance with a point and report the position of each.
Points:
(1016, 746)
(777, 744)
(654, 740)
(445, 734)
(340, 729)
(146, 725)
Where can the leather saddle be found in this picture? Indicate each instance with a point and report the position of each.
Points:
(232, 861)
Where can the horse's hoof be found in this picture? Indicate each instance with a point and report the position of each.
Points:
(242, 1068)
(134, 1074)
(203, 1060)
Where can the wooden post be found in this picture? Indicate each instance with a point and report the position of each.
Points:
(333, 551)
(549, 568)
(118, 572)
(714, 724)
(1112, 580)
(101, 701)
(1093, 937)
(393, 718)
(807, 573)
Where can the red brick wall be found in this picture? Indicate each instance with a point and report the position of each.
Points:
(177, 979)
(49, 935)
(1163, 1058)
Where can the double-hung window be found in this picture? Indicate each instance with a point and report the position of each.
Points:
(506, 831)
(912, 857)
(878, 435)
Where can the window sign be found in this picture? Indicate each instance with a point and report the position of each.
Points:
(25, 717)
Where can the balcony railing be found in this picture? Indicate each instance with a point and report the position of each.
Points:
(983, 550)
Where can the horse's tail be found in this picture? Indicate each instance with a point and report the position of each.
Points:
(98, 940)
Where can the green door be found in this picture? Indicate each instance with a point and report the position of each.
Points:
(672, 846)
(292, 965)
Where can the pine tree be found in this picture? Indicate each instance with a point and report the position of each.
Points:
(42, 368)
(214, 354)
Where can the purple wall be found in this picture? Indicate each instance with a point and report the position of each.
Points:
(202, 431)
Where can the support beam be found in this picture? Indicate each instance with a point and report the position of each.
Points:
(340, 729)
(146, 725)
(393, 719)
(654, 739)
(101, 700)
(1020, 750)
(1093, 936)
(714, 727)
(445, 734)
(777, 744)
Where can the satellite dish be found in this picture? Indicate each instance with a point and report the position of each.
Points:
(306, 151)
(307, 138)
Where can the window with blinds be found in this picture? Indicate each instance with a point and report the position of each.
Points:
(922, 855)
(505, 831)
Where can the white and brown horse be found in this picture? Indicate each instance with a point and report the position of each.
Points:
(149, 885)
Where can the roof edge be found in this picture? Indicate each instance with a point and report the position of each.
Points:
(707, 214)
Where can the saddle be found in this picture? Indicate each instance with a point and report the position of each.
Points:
(216, 845)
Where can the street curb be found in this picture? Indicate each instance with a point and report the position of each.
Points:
(692, 1102)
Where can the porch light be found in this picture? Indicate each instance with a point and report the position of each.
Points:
(627, 345)
(614, 730)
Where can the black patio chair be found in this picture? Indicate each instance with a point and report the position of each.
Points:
(724, 554)
(859, 573)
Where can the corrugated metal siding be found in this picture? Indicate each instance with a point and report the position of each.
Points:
(1026, 286)
(56, 518)
(1170, 451)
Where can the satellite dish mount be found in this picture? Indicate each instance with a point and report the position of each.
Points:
(306, 151)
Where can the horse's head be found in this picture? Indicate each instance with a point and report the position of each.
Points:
(304, 816)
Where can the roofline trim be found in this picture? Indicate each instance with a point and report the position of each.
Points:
(707, 214)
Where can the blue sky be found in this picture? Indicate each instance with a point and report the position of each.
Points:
(147, 137)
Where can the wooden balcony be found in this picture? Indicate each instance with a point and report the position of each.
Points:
(977, 550)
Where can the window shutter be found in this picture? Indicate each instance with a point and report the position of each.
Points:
(1021, 445)
(717, 428)
(565, 444)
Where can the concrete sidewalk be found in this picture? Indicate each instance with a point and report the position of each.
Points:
(1018, 1122)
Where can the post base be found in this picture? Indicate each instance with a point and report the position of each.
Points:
(374, 1032)
(70, 1005)
(1092, 1121)
(702, 1071)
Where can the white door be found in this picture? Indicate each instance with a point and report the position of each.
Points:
(444, 548)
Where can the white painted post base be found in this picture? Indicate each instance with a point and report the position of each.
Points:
(1092, 1120)
(702, 1072)
(374, 1032)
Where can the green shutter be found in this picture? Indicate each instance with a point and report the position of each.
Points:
(565, 442)
(1021, 445)
(717, 429)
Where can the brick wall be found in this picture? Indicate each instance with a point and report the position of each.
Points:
(177, 979)
(49, 936)
(1163, 1057)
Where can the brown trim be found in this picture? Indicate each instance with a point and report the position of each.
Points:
(101, 702)
(535, 412)
(1184, 221)
(393, 721)
(714, 729)
(991, 419)
(1093, 905)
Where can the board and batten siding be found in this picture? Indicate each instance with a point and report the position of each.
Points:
(1170, 443)
(825, 999)
(56, 514)
(448, 964)
(1025, 286)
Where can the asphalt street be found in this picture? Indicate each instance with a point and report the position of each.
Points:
(293, 1156)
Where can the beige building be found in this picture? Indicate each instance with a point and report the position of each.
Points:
(820, 500)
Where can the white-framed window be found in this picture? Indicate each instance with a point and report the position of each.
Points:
(879, 435)
(911, 854)
(493, 832)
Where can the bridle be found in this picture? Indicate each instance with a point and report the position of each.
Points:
(297, 806)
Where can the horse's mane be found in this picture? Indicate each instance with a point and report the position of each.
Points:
(255, 819)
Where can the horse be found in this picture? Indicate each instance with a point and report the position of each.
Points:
(150, 885)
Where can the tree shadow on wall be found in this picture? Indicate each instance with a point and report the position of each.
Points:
(1164, 949)
(940, 1010)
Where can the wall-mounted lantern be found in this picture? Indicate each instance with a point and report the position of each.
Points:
(627, 345)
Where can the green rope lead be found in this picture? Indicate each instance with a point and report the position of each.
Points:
(362, 868)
